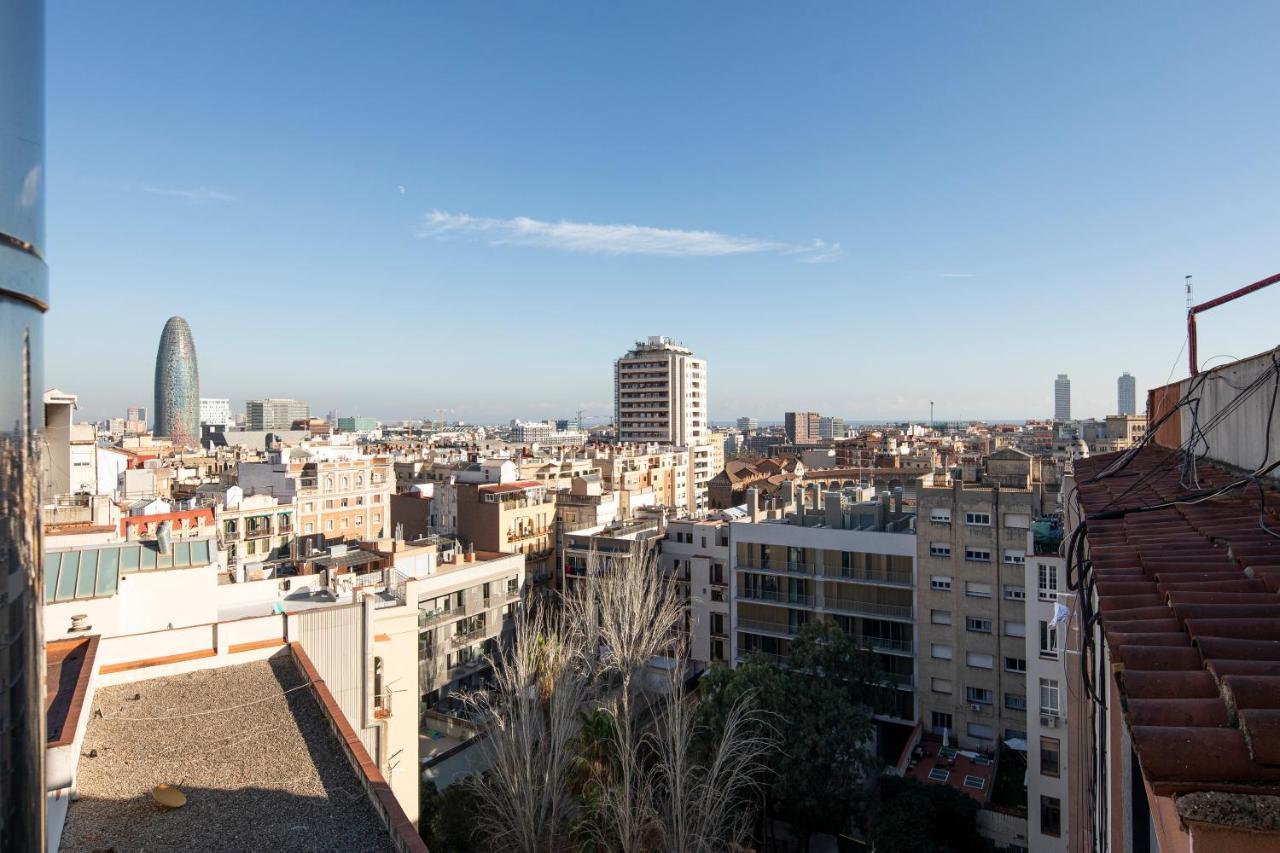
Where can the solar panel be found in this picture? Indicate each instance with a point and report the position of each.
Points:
(974, 782)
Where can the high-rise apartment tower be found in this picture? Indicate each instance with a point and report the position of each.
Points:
(660, 394)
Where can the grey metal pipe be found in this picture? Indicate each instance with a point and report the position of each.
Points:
(24, 297)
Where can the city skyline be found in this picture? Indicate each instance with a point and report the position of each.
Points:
(961, 159)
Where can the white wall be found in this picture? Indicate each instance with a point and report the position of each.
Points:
(145, 601)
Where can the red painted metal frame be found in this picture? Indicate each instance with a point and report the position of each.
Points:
(1214, 303)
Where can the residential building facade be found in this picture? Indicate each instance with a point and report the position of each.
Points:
(660, 394)
(276, 414)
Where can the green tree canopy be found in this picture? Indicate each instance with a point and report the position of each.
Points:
(821, 705)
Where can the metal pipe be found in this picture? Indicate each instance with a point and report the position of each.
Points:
(24, 297)
(1214, 303)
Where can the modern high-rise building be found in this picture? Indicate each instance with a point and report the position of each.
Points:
(275, 413)
(177, 404)
(802, 427)
(136, 413)
(748, 424)
(24, 298)
(215, 411)
(1126, 395)
(660, 394)
(831, 428)
(1062, 398)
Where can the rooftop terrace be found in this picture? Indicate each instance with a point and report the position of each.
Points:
(250, 747)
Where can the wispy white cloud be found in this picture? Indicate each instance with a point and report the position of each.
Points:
(199, 195)
(957, 275)
(591, 238)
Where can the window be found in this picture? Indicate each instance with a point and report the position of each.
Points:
(1050, 753)
(979, 661)
(977, 695)
(940, 651)
(377, 518)
(940, 617)
(379, 701)
(1048, 640)
(974, 589)
(359, 519)
(308, 507)
(971, 781)
(1015, 629)
(941, 722)
(1015, 701)
(1050, 816)
(978, 519)
(978, 625)
(328, 484)
(939, 774)
(1014, 593)
(939, 549)
(308, 528)
(979, 555)
(940, 583)
(1014, 556)
(1048, 581)
(359, 481)
(1048, 696)
(1015, 664)
(940, 516)
(940, 685)
(979, 731)
(328, 525)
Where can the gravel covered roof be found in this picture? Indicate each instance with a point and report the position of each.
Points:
(268, 775)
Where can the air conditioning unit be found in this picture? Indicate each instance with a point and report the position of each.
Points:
(1049, 721)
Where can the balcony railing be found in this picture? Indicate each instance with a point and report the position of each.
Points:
(867, 608)
(785, 567)
(467, 638)
(430, 618)
(778, 660)
(896, 577)
(768, 627)
(885, 644)
(775, 597)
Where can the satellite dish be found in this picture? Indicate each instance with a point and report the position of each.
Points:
(168, 796)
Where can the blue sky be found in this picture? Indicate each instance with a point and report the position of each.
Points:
(852, 207)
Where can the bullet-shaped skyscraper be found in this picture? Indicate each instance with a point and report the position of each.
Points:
(177, 405)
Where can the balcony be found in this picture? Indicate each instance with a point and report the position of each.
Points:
(775, 597)
(776, 659)
(856, 607)
(893, 577)
(431, 618)
(782, 567)
(757, 626)
(466, 638)
(885, 644)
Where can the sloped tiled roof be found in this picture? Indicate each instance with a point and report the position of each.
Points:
(1189, 605)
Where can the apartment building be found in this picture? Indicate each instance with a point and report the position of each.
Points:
(341, 494)
(660, 394)
(706, 460)
(831, 428)
(467, 601)
(645, 475)
(69, 456)
(509, 518)
(802, 427)
(257, 529)
(972, 622)
(844, 559)
(697, 554)
(275, 414)
(1048, 814)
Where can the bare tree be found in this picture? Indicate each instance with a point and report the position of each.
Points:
(703, 806)
(627, 612)
(532, 714)
(576, 710)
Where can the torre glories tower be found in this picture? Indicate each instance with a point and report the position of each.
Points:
(177, 385)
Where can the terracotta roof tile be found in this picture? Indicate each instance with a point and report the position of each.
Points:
(1188, 605)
